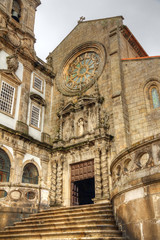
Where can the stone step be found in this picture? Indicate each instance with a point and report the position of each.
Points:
(87, 222)
(60, 235)
(102, 217)
(92, 222)
(85, 213)
(72, 228)
(55, 238)
(107, 217)
(90, 207)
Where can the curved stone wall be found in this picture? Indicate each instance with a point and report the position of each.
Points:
(136, 190)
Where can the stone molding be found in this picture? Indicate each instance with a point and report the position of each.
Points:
(84, 48)
(136, 166)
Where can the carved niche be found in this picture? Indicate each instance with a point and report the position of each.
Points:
(80, 119)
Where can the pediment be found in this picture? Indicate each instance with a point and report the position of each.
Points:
(69, 107)
(86, 100)
(37, 98)
(10, 76)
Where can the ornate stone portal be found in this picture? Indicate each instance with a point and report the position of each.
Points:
(82, 136)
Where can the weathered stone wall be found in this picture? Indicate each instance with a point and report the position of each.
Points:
(138, 77)
(136, 189)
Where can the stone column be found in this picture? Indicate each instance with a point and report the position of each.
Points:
(18, 171)
(97, 114)
(21, 124)
(53, 183)
(105, 176)
(59, 192)
(61, 128)
(97, 173)
(120, 111)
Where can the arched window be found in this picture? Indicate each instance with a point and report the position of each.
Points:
(155, 97)
(4, 166)
(16, 10)
(30, 174)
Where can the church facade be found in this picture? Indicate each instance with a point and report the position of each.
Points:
(82, 128)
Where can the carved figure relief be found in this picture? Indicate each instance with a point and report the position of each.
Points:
(67, 128)
(79, 119)
(80, 127)
(12, 62)
(14, 39)
(137, 162)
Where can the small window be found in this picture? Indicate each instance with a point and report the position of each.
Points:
(30, 174)
(155, 97)
(7, 98)
(37, 83)
(35, 116)
(4, 166)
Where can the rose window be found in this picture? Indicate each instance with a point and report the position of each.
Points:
(82, 71)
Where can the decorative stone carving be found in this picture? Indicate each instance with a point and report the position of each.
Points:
(2, 22)
(12, 62)
(144, 159)
(14, 39)
(15, 195)
(38, 99)
(59, 197)
(80, 127)
(128, 167)
(105, 120)
(97, 170)
(80, 118)
(81, 69)
(53, 183)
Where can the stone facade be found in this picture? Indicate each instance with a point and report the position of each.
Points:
(91, 110)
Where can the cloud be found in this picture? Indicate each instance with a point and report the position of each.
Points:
(55, 19)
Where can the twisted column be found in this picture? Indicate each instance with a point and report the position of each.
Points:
(53, 183)
(105, 176)
(59, 189)
(97, 173)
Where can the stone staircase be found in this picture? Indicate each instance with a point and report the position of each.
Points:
(87, 222)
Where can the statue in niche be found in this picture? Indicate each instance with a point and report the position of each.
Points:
(85, 121)
(80, 126)
(67, 129)
(92, 121)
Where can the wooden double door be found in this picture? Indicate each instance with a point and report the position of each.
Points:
(82, 183)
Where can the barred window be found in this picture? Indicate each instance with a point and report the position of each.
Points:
(6, 98)
(35, 116)
(37, 83)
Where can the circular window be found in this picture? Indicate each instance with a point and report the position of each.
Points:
(30, 195)
(81, 69)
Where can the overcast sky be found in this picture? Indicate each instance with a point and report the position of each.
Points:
(56, 18)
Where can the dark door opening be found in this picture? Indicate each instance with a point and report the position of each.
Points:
(83, 192)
